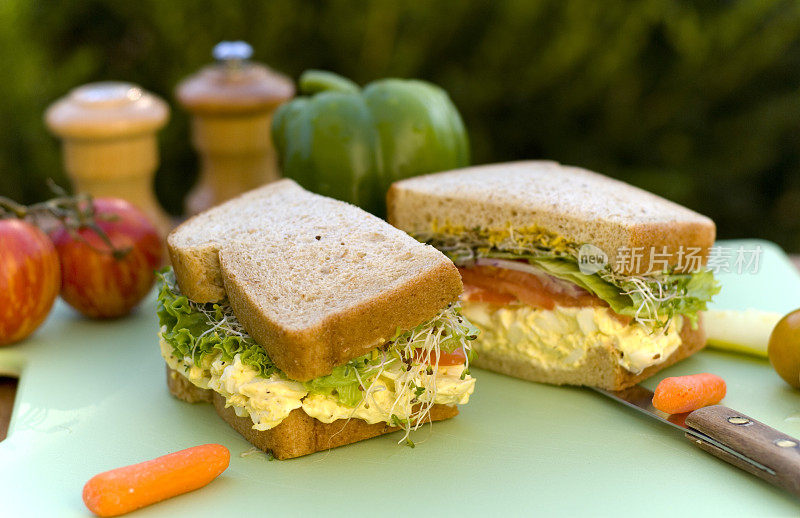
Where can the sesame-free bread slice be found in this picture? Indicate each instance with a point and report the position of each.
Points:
(582, 206)
(599, 368)
(315, 281)
(317, 304)
(299, 434)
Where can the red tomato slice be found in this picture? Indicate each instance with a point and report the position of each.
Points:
(501, 286)
(457, 357)
(476, 294)
(524, 287)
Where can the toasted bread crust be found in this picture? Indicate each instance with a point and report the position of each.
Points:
(312, 352)
(299, 434)
(197, 272)
(601, 368)
(638, 230)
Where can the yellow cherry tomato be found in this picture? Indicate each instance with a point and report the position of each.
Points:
(784, 348)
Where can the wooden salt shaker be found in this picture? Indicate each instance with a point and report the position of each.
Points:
(232, 102)
(108, 133)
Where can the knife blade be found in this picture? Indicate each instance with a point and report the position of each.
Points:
(729, 435)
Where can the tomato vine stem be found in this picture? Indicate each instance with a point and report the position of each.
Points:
(73, 212)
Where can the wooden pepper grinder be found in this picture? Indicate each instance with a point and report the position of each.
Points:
(108, 133)
(232, 102)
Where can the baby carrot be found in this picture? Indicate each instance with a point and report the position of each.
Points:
(123, 490)
(687, 393)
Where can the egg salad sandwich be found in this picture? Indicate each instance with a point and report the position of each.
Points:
(309, 323)
(572, 277)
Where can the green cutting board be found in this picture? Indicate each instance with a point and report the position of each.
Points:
(92, 396)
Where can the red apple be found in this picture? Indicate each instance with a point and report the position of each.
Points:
(96, 281)
(29, 279)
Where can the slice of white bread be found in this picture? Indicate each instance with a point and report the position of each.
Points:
(314, 281)
(600, 367)
(579, 205)
(299, 434)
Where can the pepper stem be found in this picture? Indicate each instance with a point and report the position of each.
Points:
(315, 81)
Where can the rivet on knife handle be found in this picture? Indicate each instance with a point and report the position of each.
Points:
(775, 456)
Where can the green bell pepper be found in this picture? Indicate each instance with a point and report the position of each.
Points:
(351, 143)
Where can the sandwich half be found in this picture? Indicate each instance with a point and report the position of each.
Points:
(572, 277)
(309, 323)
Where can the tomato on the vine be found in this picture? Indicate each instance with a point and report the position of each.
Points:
(105, 275)
(30, 279)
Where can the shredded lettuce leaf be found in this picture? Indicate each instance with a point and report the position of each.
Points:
(652, 300)
(568, 270)
(344, 380)
(202, 330)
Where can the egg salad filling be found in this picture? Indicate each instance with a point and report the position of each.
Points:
(561, 338)
(397, 383)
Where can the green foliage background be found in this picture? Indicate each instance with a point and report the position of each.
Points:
(697, 101)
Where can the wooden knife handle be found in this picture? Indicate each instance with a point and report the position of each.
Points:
(778, 453)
